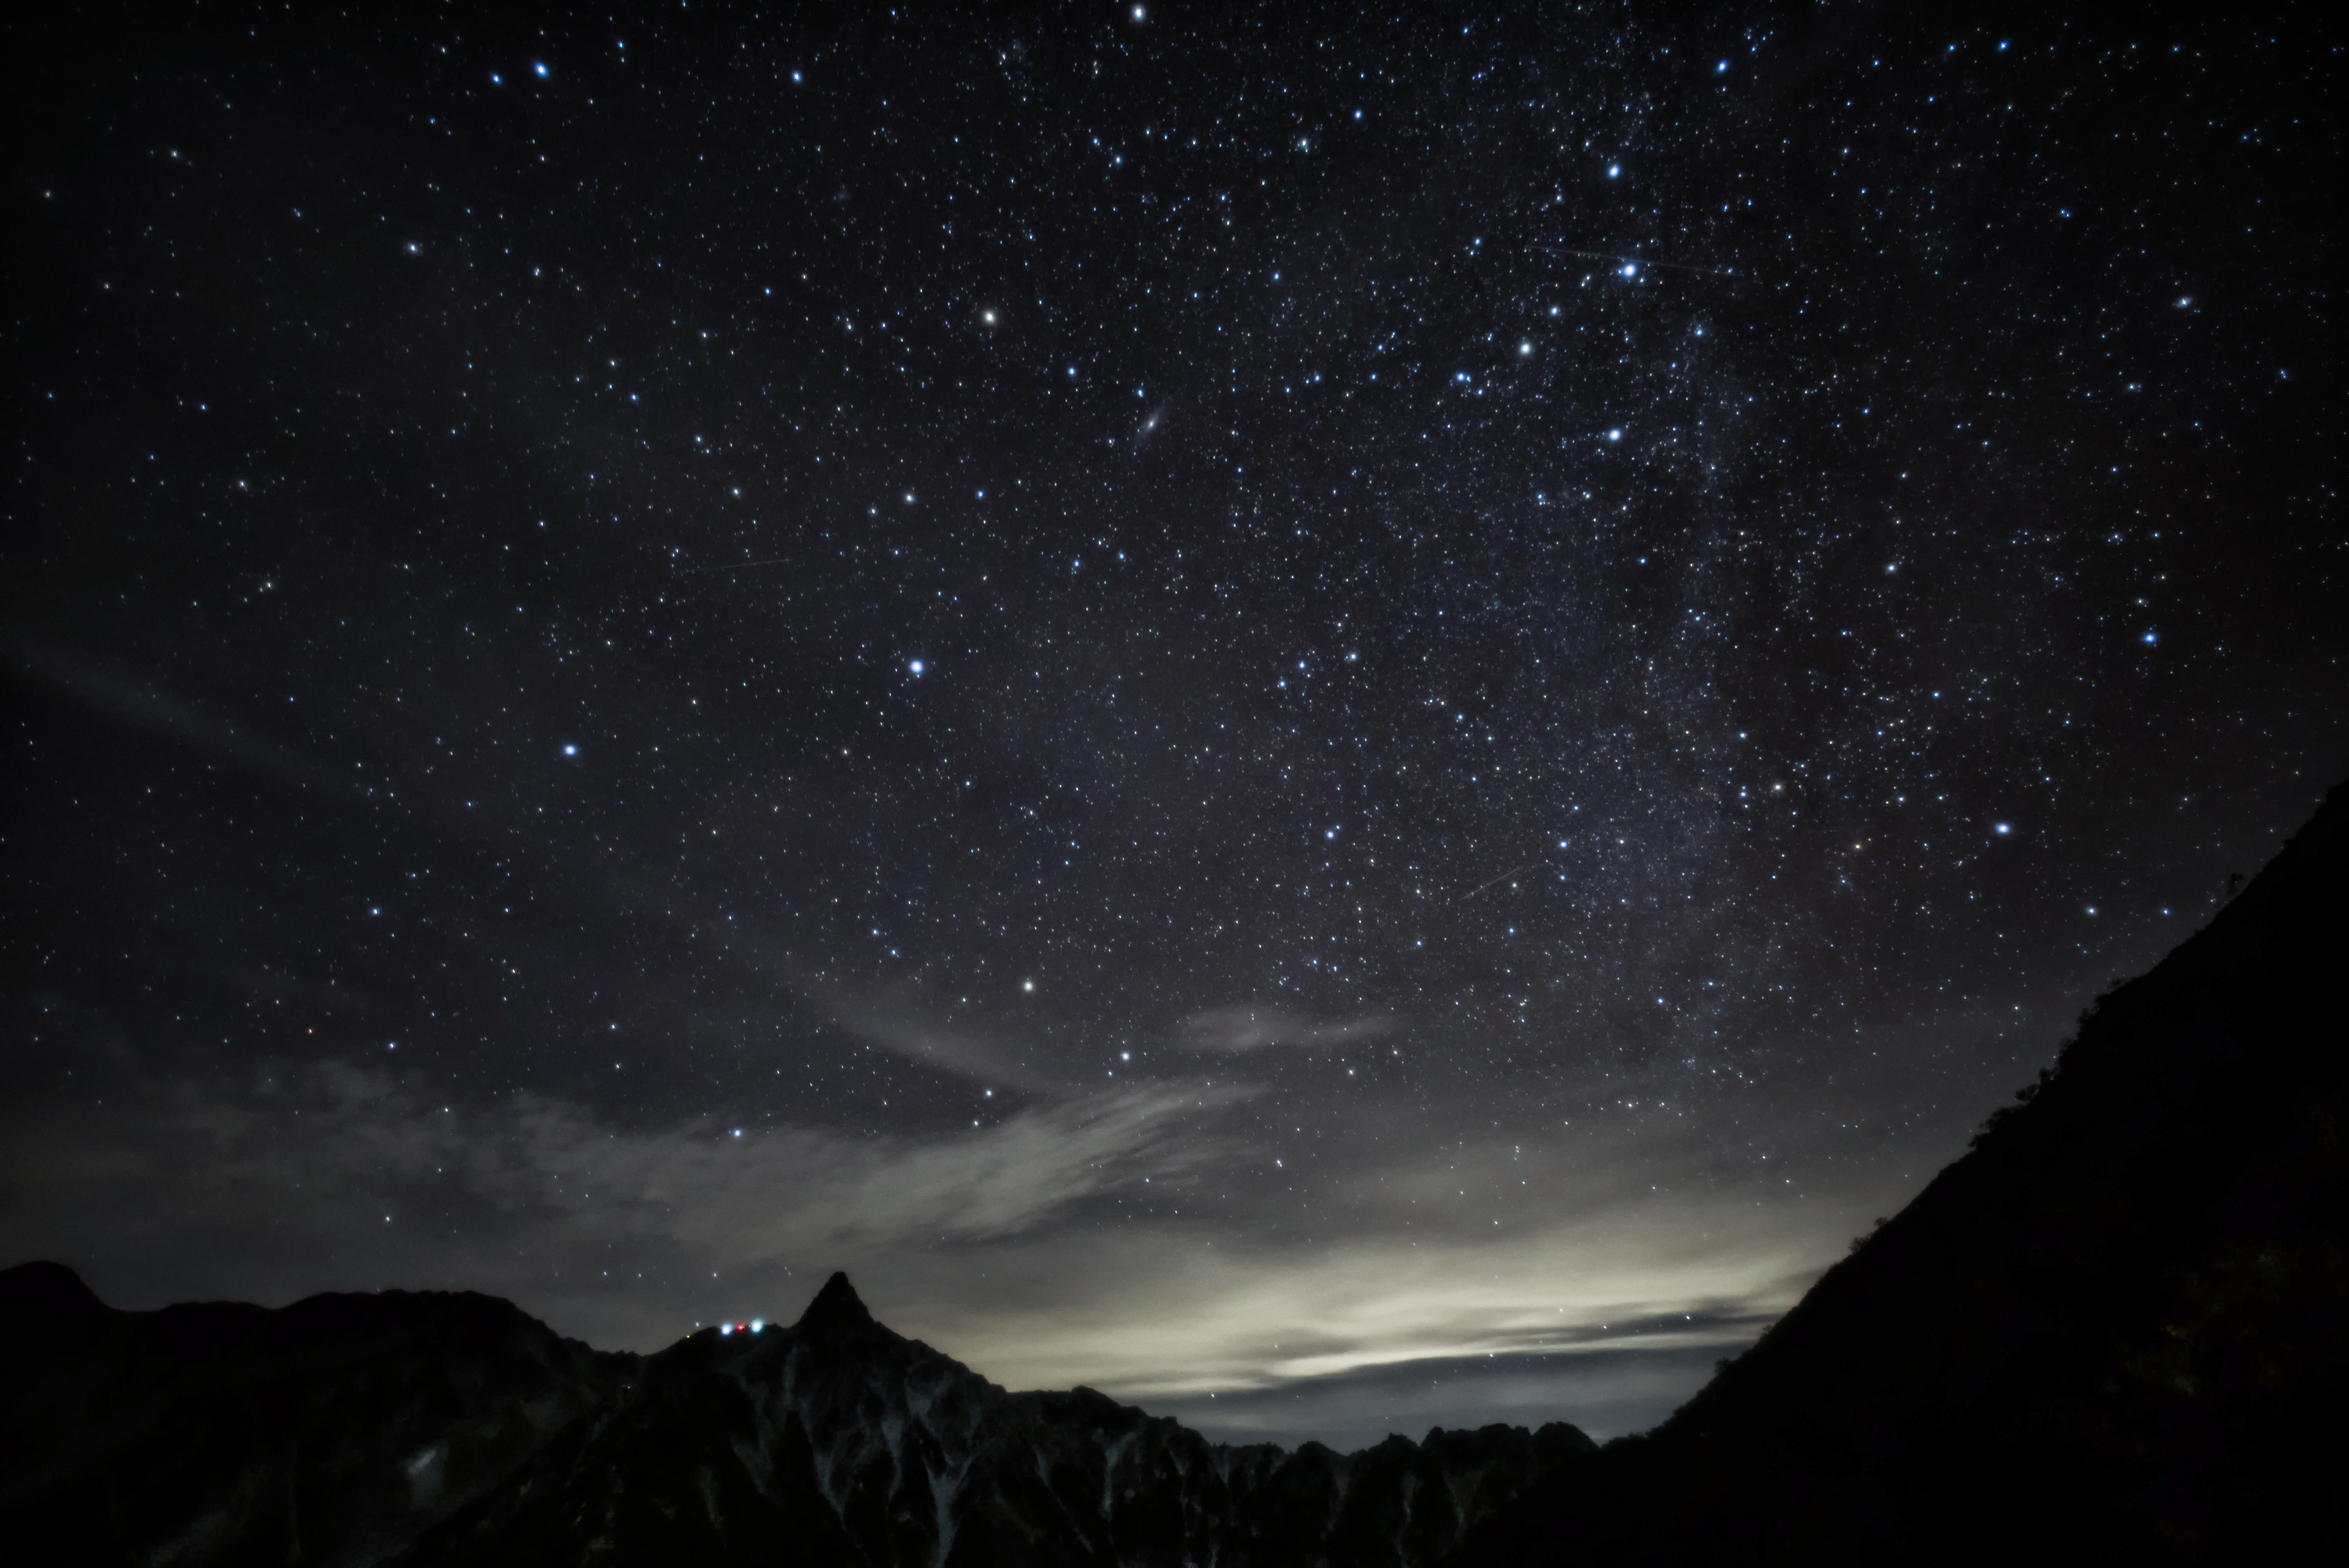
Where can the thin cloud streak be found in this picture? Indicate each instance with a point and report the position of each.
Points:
(146, 705)
(1250, 1028)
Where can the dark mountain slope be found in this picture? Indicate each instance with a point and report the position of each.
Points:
(224, 1433)
(454, 1429)
(2117, 1330)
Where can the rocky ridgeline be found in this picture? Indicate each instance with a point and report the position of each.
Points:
(431, 1428)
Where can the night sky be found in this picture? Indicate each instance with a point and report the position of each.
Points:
(1381, 717)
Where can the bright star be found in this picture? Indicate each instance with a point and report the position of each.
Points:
(570, 751)
(915, 666)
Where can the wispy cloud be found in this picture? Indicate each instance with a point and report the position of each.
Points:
(812, 1195)
(457, 1195)
(903, 1025)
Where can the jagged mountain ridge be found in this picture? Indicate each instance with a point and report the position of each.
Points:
(2117, 1330)
(421, 1429)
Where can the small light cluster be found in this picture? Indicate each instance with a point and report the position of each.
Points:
(756, 1325)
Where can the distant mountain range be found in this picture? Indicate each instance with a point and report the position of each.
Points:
(419, 1429)
(2117, 1330)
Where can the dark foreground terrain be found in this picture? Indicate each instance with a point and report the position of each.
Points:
(2117, 1330)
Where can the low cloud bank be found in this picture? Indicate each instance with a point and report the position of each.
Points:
(1606, 1394)
(1177, 1313)
(1142, 1240)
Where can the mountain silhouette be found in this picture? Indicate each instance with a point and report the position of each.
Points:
(421, 1428)
(2116, 1330)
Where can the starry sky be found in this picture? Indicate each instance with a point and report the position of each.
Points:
(1336, 721)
